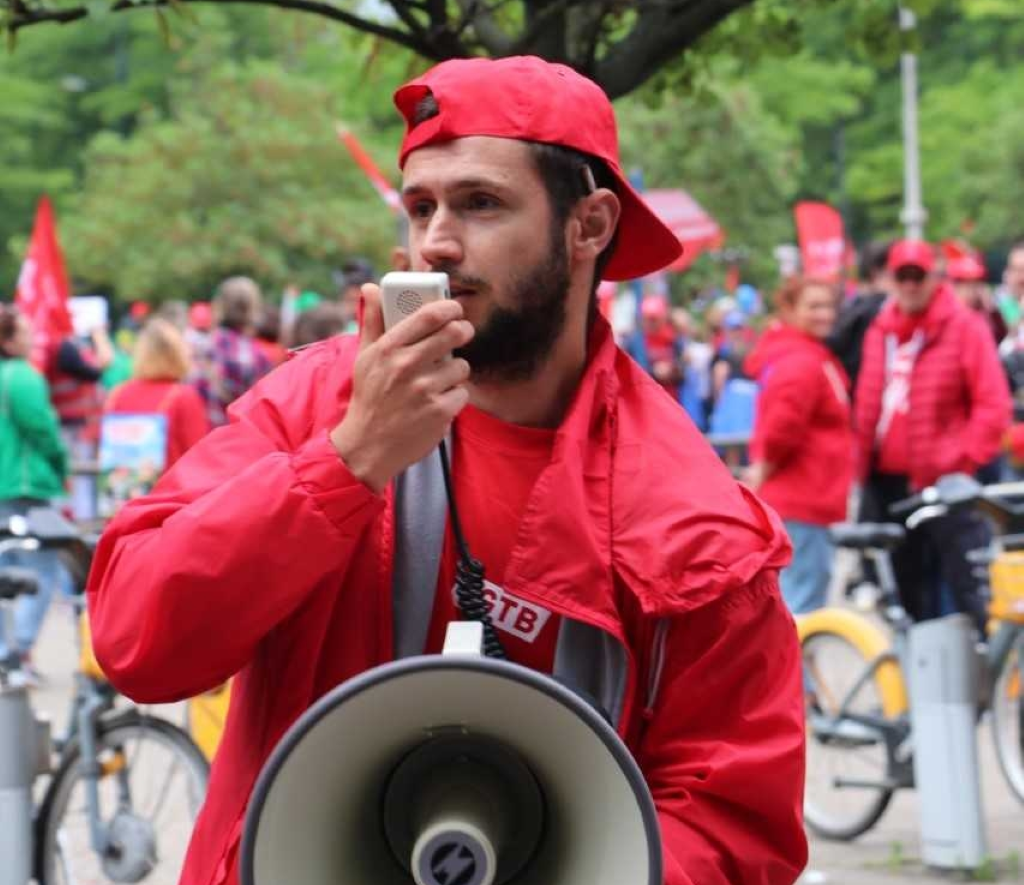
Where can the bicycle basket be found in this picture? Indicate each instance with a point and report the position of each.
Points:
(1006, 575)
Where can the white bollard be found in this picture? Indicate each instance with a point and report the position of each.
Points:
(943, 676)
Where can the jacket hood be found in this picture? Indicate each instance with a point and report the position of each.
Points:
(635, 495)
(633, 498)
(782, 340)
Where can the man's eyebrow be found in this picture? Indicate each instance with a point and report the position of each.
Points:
(460, 185)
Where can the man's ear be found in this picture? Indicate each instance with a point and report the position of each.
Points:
(595, 218)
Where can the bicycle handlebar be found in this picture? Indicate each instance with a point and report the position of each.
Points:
(958, 490)
(50, 530)
(44, 524)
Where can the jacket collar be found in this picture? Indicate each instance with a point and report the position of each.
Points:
(634, 497)
(940, 310)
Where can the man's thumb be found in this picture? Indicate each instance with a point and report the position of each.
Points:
(371, 316)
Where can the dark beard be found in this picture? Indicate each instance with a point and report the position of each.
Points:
(514, 341)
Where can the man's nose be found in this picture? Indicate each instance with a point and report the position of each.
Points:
(441, 243)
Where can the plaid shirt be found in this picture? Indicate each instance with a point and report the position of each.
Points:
(226, 366)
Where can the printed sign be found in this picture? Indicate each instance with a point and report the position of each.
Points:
(511, 614)
(133, 454)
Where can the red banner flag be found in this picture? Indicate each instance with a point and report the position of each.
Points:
(42, 293)
(377, 178)
(819, 230)
(697, 231)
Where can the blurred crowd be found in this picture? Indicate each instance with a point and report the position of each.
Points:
(172, 369)
(847, 398)
(818, 395)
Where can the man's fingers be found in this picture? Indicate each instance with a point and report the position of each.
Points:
(371, 317)
(442, 342)
(449, 374)
(424, 322)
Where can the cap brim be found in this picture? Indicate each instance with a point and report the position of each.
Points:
(920, 265)
(645, 243)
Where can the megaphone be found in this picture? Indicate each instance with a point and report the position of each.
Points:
(451, 770)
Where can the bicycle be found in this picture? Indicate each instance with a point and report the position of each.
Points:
(860, 741)
(99, 819)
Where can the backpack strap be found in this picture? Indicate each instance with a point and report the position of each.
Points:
(587, 659)
(421, 516)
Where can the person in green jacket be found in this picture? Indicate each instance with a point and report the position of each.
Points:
(33, 468)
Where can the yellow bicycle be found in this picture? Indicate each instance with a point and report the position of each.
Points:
(859, 741)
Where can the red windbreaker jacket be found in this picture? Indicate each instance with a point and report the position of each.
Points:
(803, 426)
(960, 403)
(259, 554)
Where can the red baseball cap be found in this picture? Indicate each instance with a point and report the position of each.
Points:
(529, 99)
(911, 253)
(966, 268)
(200, 315)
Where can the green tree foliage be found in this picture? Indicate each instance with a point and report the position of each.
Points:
(249, 180)
(184, 147)
(701, 144)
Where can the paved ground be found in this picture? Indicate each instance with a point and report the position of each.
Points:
(888, 854)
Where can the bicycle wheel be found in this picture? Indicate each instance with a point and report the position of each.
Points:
(152, 786)
(839, 749)
(1008, 718)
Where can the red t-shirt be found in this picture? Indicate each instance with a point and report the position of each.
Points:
(893, 439)
(186, 413)
(495, 466)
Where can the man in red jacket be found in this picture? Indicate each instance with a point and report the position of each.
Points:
(274, 549)
(932, 399)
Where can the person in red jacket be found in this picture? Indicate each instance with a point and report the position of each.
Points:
(160, 364)
(277, 543)
(932, 399)
(802, 447)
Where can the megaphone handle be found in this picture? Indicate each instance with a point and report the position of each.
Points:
(469, 572)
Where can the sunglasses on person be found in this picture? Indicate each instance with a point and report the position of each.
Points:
(911, 274)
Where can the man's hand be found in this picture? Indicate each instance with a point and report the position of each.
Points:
(405, 393)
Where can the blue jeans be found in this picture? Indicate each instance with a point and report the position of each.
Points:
(29, 611)
(805, 582)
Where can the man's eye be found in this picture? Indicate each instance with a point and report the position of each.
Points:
(421, 209)
(482, 201)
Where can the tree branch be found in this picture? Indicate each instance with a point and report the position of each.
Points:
(25, 17)
(401, 8)
(487, 30)
(662, 32)
(540, 24)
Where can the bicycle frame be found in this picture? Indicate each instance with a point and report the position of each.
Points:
(24, 752)
(872, 644)
(92, 699)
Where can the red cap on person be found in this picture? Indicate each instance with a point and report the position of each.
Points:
(529, 99)
(965, 268)
(200, 315)
(911, 253)
(654, 307)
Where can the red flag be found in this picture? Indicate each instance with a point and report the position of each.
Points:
(697, 231)
(377, 178)
(42, 293)
(819, 230)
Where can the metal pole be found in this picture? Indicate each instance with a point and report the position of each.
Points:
(636, 178)
(914, 214)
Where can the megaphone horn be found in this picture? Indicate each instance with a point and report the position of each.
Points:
(451, 770)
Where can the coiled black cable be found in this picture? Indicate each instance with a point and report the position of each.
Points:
(469, 572)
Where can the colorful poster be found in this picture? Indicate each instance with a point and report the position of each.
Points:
(133, 454)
